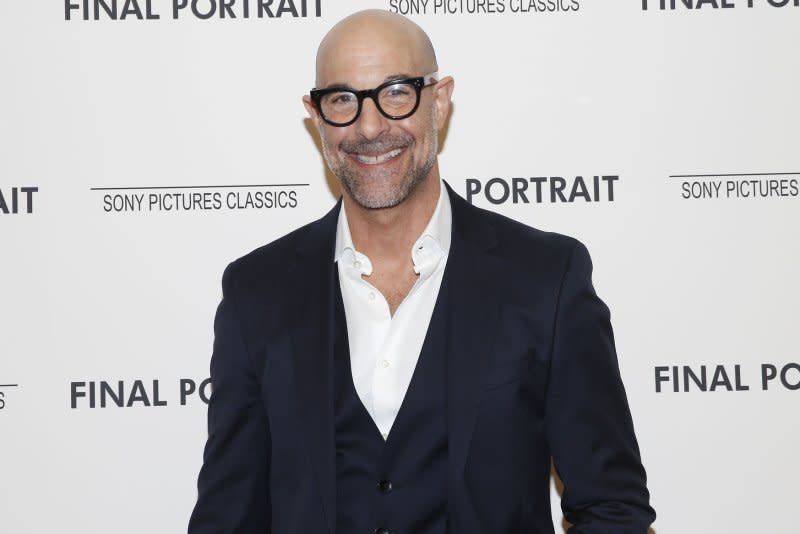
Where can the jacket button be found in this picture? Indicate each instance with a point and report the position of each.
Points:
(385, 486)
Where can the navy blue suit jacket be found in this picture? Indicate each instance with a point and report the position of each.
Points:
(532, 373)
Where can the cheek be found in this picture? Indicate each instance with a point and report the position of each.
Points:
(330, 141)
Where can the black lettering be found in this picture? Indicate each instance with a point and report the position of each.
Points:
(700, 381)
(579, 190)
(205, 390)
(177, 5)
(503, 186)
(538, 181)
(69, 7)
(768, 372)
(76, 393)
(156, 399)
(138, 394)
(785, 380)
(287, 6)
(557, 185)
(117, 396)
(737, 371)
(720, 379)
(518, 187)
(212, 8)
(29, 191)
(263, 7)
(611, 180)
(149, 15)
(131, 8)
(187, 387)
(701, 2)
(111, 10)
(225, 6)
(661, 376)
(473, 188)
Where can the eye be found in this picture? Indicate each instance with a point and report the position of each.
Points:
(339, 99)
(398, 90)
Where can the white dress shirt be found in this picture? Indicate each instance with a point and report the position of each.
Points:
(384, 349)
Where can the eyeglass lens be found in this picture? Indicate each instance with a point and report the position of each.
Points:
(394, 100)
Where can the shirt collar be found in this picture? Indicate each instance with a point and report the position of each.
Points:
(428, 250)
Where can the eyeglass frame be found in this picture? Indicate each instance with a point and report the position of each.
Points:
(418, 82)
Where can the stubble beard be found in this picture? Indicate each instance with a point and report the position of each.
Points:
(386, 197)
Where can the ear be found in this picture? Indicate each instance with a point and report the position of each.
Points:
(443, 92)
(311, 109)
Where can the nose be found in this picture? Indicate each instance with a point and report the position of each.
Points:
(371, 124)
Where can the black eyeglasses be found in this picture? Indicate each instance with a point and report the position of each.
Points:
(395, 99)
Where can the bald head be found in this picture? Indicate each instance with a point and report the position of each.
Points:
(383, 159)
(365, 37)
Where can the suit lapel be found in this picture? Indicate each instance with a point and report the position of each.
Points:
(474, 311)
(311, 333)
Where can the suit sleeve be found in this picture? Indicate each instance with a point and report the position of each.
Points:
(588, 422)
(233, 486)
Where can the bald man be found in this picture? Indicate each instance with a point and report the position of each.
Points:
(409, 364)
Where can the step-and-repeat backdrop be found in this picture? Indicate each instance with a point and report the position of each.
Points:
(145, 144)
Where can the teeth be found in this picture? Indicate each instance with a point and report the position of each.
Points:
(374, 160)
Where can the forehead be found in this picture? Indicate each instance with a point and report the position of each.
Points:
(365, 59)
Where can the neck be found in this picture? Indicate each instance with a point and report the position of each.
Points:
(386, 235)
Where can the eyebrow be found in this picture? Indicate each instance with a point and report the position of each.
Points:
(389, 78)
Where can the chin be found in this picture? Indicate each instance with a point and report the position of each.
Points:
(381, 200)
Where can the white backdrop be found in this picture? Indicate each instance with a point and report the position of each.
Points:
(670, 103)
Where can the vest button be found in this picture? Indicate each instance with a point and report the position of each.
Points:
(382, 530)
(385, 486)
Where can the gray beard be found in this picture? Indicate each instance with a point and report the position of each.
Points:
(352, 184)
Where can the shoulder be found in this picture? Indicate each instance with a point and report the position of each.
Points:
(523, 246)
(280, 257)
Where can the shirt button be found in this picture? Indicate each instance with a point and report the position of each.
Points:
(371, 295)
(385, 486)
(384, 363)
(357, 264)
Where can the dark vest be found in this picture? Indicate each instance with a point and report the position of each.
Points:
(398, 486)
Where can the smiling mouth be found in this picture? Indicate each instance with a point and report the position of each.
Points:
(377, 159)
